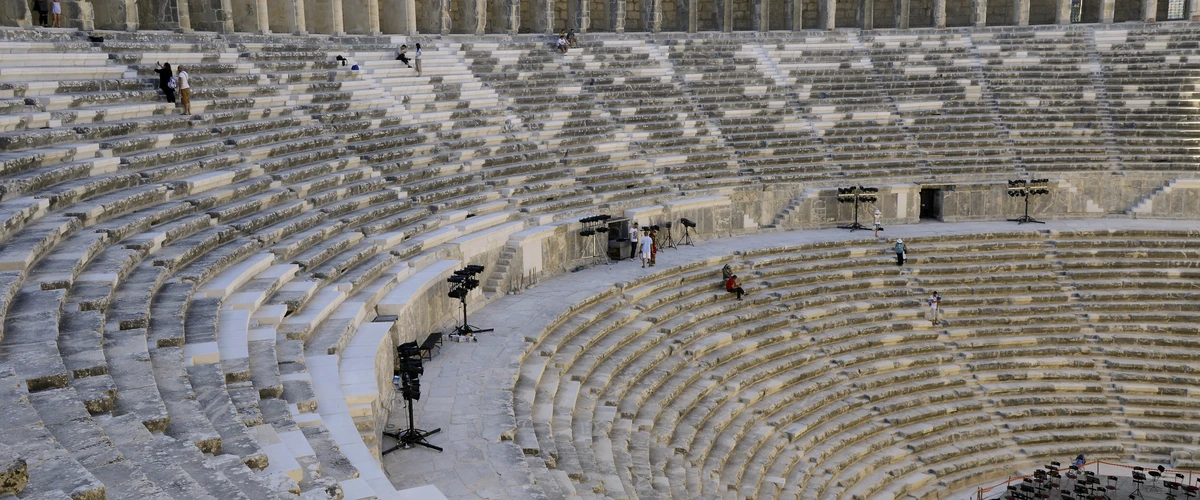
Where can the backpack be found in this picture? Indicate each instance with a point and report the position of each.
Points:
(172, 83)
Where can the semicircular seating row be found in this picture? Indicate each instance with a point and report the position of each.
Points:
(828, 381)
(193, 287)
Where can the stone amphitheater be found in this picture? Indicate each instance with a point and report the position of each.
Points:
(208, 305)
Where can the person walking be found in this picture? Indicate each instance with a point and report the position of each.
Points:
(183, 82)
(878, 222)
(653, 245)
(166, 80)
(633, 241)
(935, 305)
(901, 250)
(646, 245)
(56, 11)
(732, 286)
(417, 59)
(402, 56)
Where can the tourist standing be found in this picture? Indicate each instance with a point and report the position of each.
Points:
(417, 59)
(878, 222)
(901, 250)
(56, 10)
(166, 80)
(42, 9)
(935, 304)
(185, 90)
(646, 244)
(633, 241)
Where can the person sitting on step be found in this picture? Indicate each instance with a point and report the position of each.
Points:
(402, 56)
(732, 286)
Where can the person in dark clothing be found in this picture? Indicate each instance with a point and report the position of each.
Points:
(402, 56)
(42, 9)
(901, 252)
(732, 286)
(164, 80)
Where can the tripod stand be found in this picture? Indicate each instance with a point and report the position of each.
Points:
(412, 436)
(601, 251)
(854, 195)
(670, 238)
(467, 329)
(1026, 218)
(687, 236)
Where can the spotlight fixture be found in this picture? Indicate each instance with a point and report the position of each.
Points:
(1021, 188)
(856, 195)
(464, 280)
(595, 226)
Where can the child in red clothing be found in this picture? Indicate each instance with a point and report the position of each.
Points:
(732, 286)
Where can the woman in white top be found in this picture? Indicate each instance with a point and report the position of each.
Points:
(935, 302)
(417, 59)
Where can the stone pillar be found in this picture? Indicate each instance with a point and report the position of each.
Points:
(1149, 10)
(616, 13)
(724, 14)
(901, 18)
(185, 16)
(761, 11)
(75, 14)
(1020, 12)
(542, 16)
(373, 17)
(795, 14)
(939, 13)
(826, 12)
(582, 21)
(1062, 15)
(131, 15)
(865, 16)
(979, 13)
(651, 15)
(693, 15)
(475, 15)
(444, 21)
(264, 21)
(1193, 10)
(1108, 9)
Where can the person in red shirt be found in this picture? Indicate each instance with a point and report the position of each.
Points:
(732, 286)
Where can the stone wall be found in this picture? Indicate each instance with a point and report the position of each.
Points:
(885, 13)
(562, 13)
(959, 13)
(778, 18)
(245, 15)
(742, 17)
(498, 16)
(671, 20)
(207, 15)
(1042, 12)
(999, 12)
(633, 15)
(1178, 200)
(15, 13)
(282, 17)
(810, 13)
(115, 14)
(427, 15)
(920, 14)
(846, 15)
(526, 17)
(599, 21)
(1127, 10)
(707, 17)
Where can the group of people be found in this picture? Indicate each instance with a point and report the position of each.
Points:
(566, 40)
(402, 56)
(643, 241)
(169, 81)
(49, 13)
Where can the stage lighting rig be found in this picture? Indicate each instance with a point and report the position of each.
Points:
(463, 281)
(856, 195)
(1021, 188)
(407, 371)
(594, 227)
(688, 226)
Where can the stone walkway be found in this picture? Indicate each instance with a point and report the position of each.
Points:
(467, 387)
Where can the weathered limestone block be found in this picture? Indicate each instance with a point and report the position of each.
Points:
(14, 472)
(15, 13)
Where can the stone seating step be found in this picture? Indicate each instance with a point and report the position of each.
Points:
(49, 466)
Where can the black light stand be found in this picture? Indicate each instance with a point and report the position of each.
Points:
(408, 370)
(856, 195)
(1025, 189)
(670, 236)
(688, 226)
(463, 282)
(594, 227)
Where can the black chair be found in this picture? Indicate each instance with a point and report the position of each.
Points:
(1172, 488)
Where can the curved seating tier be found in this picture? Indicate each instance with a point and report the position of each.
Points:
(829, 381)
